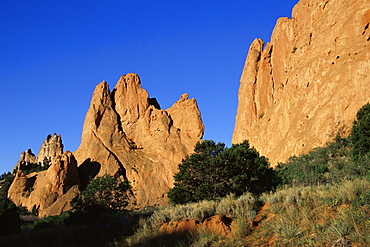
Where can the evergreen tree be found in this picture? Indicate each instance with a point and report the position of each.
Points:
(214, 171)
(360, 135)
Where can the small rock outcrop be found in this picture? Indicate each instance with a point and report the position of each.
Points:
(50, 148)
(304, 87)
(219, 224)
(126, 134)
(39, 191)
(26, 158)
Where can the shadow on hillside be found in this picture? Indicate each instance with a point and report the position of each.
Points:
(167, 240)
(99, 230)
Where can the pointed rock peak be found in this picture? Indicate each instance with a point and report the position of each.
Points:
(183, 97)
(101, 91)
(26, 157)
(308, 82)
(257, 44)
(130, 79)
(51, 147)
(130, 99)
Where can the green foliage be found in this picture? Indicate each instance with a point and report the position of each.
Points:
(34, 167)
(214, 171)
(47, 222)
(9, 216)
(6, 180)
(360, 134)
(345, 158)
(102, 194)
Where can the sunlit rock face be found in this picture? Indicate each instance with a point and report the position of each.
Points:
(304, 87)
(127, 134)
(50, 148)
(42, 191)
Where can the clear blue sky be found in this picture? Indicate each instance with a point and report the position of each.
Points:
(54, 53)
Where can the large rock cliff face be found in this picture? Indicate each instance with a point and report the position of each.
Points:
(127, 134)
(305, 86)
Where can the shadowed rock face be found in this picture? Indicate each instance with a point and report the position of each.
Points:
(126, 134)
(305, 86)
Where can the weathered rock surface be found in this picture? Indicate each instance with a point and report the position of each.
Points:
(40, 191)
(305, 86)
(50, 148)
(26, 157)
(127, 134)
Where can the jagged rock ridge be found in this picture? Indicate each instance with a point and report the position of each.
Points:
(125, 134)
(50, 148)
(305, 86)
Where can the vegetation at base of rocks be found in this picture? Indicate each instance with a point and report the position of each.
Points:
(345, 158)
(6, 180)
(321, 199)
(321, 215)
(103, 194)
(214, 171)
(360, 134)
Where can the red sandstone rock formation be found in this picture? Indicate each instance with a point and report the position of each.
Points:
(306, 85)
(41, 190)
(127, 134)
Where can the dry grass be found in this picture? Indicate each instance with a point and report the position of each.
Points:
(336, 215)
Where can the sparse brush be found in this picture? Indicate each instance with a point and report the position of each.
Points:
(242, 227)
(337, 215)
(244, 206)
(269, 198)
(277, 208)
(289, 232)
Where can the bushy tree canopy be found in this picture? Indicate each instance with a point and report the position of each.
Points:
(103, 194)
(214, 171)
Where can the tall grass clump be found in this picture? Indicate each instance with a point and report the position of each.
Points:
(338, 215)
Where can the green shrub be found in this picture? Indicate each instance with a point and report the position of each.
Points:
(102, 194)
(360, 134)
(326, 165)
(214, 171)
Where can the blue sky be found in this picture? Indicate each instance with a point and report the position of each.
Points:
(54, 53)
